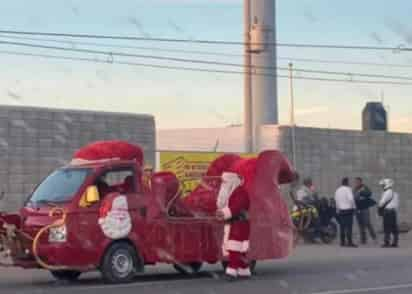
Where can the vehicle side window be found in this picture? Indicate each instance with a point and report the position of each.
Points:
(118, 180)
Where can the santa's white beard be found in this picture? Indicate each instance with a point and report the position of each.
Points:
(226, 189)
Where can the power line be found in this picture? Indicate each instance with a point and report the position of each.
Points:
(210, 42)
(350, 74)
(202, 52)
(110, 54)
(325, 61)
(74, 43)
(48, 56)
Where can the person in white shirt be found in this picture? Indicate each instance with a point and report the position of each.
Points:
(345, 206)
(389, 203)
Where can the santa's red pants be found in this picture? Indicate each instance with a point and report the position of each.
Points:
(238, 264)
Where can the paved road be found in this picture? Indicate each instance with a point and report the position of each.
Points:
(312, 270)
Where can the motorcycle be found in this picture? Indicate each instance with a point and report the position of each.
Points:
(316, 221)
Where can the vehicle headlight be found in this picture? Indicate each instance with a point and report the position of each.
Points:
(58, 234)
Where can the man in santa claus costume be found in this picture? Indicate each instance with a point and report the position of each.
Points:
(232, 208)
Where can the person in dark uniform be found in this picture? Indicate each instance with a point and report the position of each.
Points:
(364, 201)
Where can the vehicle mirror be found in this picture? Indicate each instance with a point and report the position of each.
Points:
(92, 195)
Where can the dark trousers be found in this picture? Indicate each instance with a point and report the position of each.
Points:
(390, 227)
(346, 226)
(365, 225)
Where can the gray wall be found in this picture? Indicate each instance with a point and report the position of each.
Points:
(34, 141)
(328, 155)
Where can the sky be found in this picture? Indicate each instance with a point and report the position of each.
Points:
(181, 99)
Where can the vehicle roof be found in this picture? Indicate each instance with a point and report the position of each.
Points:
(99, 163)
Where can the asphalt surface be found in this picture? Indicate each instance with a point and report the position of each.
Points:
(314, 269)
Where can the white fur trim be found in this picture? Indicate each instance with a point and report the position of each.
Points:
(225, 239)
(237, 246)
(244, 272)
(118, 223)
(80, 161)
(231, 272)
(230, 181)
(227, 213)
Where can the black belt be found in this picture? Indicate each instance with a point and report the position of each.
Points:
(241, 217)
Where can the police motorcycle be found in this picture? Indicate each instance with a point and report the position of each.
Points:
(316, 220)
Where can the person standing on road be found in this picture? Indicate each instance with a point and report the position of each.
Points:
(363, 199)
(389, 205)
(233, 208)
(345, 206)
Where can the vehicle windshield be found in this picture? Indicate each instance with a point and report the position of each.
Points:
(60, 186)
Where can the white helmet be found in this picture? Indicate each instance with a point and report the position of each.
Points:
(386, 183)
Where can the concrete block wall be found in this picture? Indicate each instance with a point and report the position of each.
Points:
(35, 141)
(328, 155)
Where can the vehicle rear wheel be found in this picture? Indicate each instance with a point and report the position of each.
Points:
(120, 263)
(188, 269)
(66, 275)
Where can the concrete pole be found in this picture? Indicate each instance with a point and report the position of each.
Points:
(292, 115)
(264, 83)
(292, 98)
(248, 128)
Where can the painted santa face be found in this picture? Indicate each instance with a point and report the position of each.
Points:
(116, 222)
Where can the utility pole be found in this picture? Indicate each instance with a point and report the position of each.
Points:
(292, 98)
(292, 114)
(248, 121)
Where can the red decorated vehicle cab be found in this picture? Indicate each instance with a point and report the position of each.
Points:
(101, 212)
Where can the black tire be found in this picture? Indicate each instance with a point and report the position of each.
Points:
(66, 275)
(252, 265)
(188, 269)
(224, 265)
(120, 263)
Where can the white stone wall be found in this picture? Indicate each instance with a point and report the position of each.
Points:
(35, 141)
(228, 139)
(329, 155)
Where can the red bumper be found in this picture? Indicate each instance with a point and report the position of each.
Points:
(60, 255)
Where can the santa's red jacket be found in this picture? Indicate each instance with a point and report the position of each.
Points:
(237, 227)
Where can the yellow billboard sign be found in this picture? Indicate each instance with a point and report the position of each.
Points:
(189, 167)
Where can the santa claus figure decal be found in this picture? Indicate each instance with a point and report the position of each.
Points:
(114, 218)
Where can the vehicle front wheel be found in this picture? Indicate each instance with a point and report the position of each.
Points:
(120, 263)
(188, 269)
(66, 275)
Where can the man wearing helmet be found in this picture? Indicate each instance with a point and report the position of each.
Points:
(389, 205)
